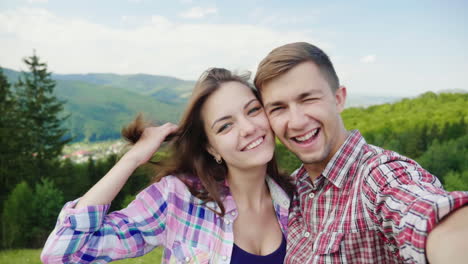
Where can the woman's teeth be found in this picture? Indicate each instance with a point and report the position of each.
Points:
(254, 144)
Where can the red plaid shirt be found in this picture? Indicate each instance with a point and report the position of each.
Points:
(369, 205)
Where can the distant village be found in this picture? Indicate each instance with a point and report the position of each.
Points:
(81, 152)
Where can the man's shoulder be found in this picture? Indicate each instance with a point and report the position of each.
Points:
(374, 156)
(384, 166)
(384, 161)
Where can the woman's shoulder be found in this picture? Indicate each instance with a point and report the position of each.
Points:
(171, 185)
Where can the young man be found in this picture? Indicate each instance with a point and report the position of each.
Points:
(355, 203)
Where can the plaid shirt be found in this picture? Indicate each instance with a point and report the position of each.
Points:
(164, 214)
(369, 205)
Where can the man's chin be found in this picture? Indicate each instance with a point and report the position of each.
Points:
(313, 159)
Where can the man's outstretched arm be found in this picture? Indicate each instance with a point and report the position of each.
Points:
(448, 241)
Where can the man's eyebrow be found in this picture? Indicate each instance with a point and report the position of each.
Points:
(304, 95)
(272, 104)
(299, 97)
(220, 119)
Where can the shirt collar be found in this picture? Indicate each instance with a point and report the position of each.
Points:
(343, 163)
(277, 193)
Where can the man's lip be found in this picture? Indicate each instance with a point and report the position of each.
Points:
(301, 135)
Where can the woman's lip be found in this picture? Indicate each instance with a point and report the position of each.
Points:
(244, 148)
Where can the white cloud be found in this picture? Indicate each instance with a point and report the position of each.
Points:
(368, 59)
(37, 1)
(156, 46)
(198, 12)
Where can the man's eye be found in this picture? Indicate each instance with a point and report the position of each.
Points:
(275, 109)
(224, 127)
(309, 99)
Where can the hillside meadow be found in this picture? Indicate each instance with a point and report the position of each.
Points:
(32, 256)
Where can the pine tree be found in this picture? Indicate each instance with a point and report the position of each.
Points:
(6, 132)
(41, 116)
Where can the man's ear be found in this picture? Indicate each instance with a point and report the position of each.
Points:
(340, 97)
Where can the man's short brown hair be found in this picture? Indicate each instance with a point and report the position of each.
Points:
(286, 57)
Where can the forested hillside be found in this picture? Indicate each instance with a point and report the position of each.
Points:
(100, 104)
(98, 112)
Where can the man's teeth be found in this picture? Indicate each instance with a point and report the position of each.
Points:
(307, 136)
(254, 144)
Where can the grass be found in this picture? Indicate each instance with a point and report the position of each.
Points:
(31, 256)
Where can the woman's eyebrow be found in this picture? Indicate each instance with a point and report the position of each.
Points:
(249, 102)
(229, 116)
(220, 119)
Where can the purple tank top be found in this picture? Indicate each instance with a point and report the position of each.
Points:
(240, 256)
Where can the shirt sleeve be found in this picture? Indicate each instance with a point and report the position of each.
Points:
(408, 202)
(89, 234)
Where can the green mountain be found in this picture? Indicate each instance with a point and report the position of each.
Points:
(162, 88)
(98, 112)
(99, 107)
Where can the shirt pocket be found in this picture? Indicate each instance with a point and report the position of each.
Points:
(183, 253)
(328, 243)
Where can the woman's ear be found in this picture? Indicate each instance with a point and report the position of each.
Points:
(214, 153)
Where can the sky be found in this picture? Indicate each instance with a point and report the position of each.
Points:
(395, 48)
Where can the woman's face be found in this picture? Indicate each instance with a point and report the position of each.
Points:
(237, 127)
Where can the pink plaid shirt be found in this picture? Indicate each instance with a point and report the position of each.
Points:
(369, 205)
(165, 214)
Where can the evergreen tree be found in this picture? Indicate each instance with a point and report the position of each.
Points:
(41, 115)
(6, 133)
(16, 217)
(8, 145)
(47, 202)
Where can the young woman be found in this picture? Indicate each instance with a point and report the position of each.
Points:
(218, 199)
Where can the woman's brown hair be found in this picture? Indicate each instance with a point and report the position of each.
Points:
(188, 158)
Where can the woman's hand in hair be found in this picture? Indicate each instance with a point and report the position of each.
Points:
(149, 142)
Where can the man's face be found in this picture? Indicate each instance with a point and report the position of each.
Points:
(305, 113)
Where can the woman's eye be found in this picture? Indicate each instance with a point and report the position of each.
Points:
(254, 110)
(224, 127)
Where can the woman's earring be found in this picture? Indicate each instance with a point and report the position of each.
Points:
(219, 161)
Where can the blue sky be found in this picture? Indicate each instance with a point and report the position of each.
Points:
(399, 48)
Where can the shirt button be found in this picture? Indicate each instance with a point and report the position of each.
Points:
(187, 259)
(233, 213)
(224, 258)
(286, 203)
(227, 221)
(306, 234)
(311, 195)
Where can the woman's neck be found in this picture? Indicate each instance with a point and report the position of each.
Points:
(248, 187)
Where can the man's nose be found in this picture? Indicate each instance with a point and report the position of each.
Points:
(297, 118)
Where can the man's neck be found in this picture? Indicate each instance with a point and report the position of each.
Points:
(315, 169)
